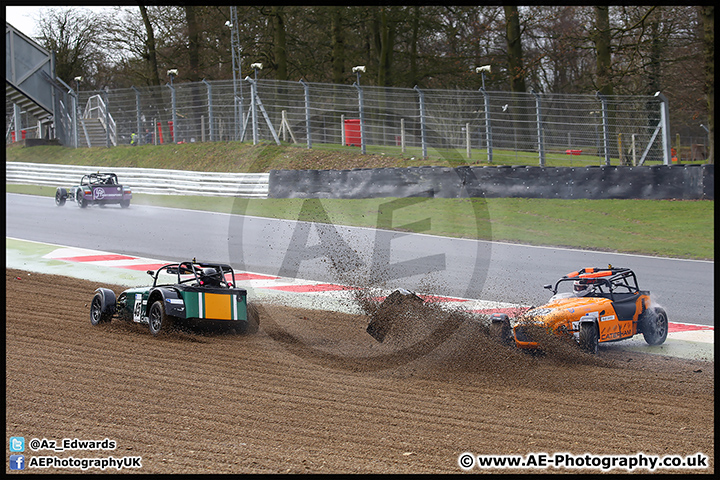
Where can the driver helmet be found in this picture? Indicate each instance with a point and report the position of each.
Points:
(210, 277)
(581, 288)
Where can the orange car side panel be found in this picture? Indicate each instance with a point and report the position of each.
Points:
(568, 312)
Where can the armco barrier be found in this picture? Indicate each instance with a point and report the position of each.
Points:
(687, 182)
(145, 180)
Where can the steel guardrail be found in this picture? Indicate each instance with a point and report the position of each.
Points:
(154, 181)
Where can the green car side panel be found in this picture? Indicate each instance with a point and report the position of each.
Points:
(229, 305)
(136, 298)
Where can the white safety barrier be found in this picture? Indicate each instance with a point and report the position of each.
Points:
(144, 180)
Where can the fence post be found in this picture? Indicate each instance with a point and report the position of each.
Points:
(342, 130)
(257, 103)
(538, 112)
(402, 135)
(665, 126)
(17, 121)
(253, 110)
(210, 113)
(76, 105)
(306, 88)
(488, 128)
(107, 118)
(174, 112)
(606, 128)
(362, 117)
(467, 139)
(140, 136)
(239, 123)
(421, 95)
(74, 120)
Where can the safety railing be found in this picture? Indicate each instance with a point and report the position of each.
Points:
(95, 108)
(145, 180)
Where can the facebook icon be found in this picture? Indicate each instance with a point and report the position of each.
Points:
(17, 462)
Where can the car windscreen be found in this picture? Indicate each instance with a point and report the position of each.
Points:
(169, 276)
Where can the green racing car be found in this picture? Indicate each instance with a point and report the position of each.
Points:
(181, 292)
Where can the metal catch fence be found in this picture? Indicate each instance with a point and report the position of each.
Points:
(494, 127)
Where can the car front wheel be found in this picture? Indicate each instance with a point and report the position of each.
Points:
(158, 320)
(589, 337)
(97, 316)
(501, 330)
(60, 197)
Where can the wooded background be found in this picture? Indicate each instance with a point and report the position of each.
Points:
(620, 50)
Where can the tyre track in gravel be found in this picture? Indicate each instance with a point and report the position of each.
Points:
(211, 403)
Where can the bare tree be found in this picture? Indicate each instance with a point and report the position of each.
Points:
(193, 44)
(514, 49)
(277, 16)
(75, 35)
(707, 14)
(151, 54)
(338, 45)
(602, 40)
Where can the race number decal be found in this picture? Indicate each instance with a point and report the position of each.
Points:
(137, 311)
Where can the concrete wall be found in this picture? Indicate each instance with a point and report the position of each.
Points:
(687, 182)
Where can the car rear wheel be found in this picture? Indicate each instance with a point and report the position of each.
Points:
(158, 320)
(124, 203)
(97, 316)
(80, 199)
(654, 326)
(589, 337)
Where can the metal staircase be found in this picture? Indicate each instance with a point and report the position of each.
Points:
(96, 125)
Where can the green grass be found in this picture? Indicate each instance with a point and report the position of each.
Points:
(248, 158)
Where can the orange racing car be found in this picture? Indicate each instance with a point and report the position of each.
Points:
(604, 305)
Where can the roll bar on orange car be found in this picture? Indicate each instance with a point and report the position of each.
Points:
(591, 273)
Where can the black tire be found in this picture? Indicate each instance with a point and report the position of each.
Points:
(97, 314)
(124, 203)
(253, 319)
(654, 326)
(80, 199)
(589, 337)
(158, 320)
(60, 197)
(502, 331)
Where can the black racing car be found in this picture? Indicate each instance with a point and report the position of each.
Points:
(95, 189)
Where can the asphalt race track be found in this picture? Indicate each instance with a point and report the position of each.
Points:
(339, 254)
